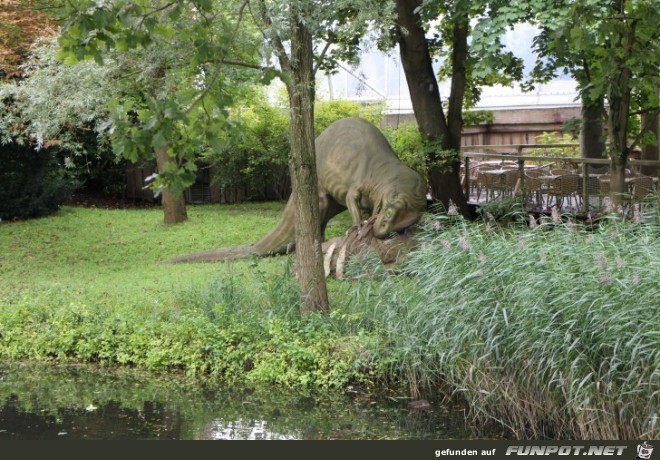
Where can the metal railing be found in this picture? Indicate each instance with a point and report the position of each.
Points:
(518, 148)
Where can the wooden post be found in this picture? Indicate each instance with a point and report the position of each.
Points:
(521, 178)
(467, 178)
(585, 187)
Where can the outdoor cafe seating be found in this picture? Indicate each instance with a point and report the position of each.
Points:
(544, 187)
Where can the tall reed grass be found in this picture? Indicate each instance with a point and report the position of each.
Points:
(554, 331)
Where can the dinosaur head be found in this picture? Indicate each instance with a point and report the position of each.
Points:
(398, 212)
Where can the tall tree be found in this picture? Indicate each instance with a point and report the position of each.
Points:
(298, 75)
(318, 35)
(553, 60)
(176, 54)
(613, 53)
(483, 61)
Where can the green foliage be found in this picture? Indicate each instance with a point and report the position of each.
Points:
(34, 184)
(407, 142)
(179, 90)
(548, 138)
(328, 111)
(417, 153)
(477, 117)
(254, 154)
(503, 210)
(64, 106)
(57, 104)
(612, 53)
(496, 313)
(488, 62)
(87, 286)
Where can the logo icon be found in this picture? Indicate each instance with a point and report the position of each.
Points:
(644, 451)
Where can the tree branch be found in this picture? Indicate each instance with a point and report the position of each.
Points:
(154, 11)
(240, 19)
(250, 66)
(646, 110)
(321, 57)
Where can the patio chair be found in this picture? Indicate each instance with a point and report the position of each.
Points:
(642, 186)
(641, 189)
(481, 182)
(535, 172)
(492, 184)
(510, 181)
(593, 187)
(561, 187)
(473, 175)
(533, 187)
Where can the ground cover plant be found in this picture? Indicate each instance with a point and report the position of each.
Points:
(550, 329)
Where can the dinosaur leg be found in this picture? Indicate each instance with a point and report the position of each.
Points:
(353, 198)
(328, 208)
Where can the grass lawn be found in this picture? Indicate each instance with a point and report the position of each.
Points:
(110, 255)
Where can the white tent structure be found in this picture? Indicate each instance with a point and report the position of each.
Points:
(380, 77)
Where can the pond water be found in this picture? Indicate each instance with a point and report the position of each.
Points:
(39, 402)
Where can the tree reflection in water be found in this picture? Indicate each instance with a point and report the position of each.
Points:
(85, 402)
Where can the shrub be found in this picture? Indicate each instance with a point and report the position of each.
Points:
(327, 112)
(406, 140)
(255, 154)
(555, 138)
(34, 184)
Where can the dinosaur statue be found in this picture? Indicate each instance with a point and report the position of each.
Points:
(357, 170)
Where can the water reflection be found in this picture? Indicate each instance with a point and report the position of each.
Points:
(76, 402)
(245, 430)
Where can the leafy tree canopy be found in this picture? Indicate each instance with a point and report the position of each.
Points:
(21, 22)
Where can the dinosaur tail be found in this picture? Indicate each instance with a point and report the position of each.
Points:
(279, 240)
(215, 255)
(282, 238)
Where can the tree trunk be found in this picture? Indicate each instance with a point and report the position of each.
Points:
(618, 97)
(304, 180)
(459, 56)
(592, 141)
(174, 206)
(651, 124)
(427, 105)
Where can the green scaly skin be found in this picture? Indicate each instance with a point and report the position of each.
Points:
(358, 171)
